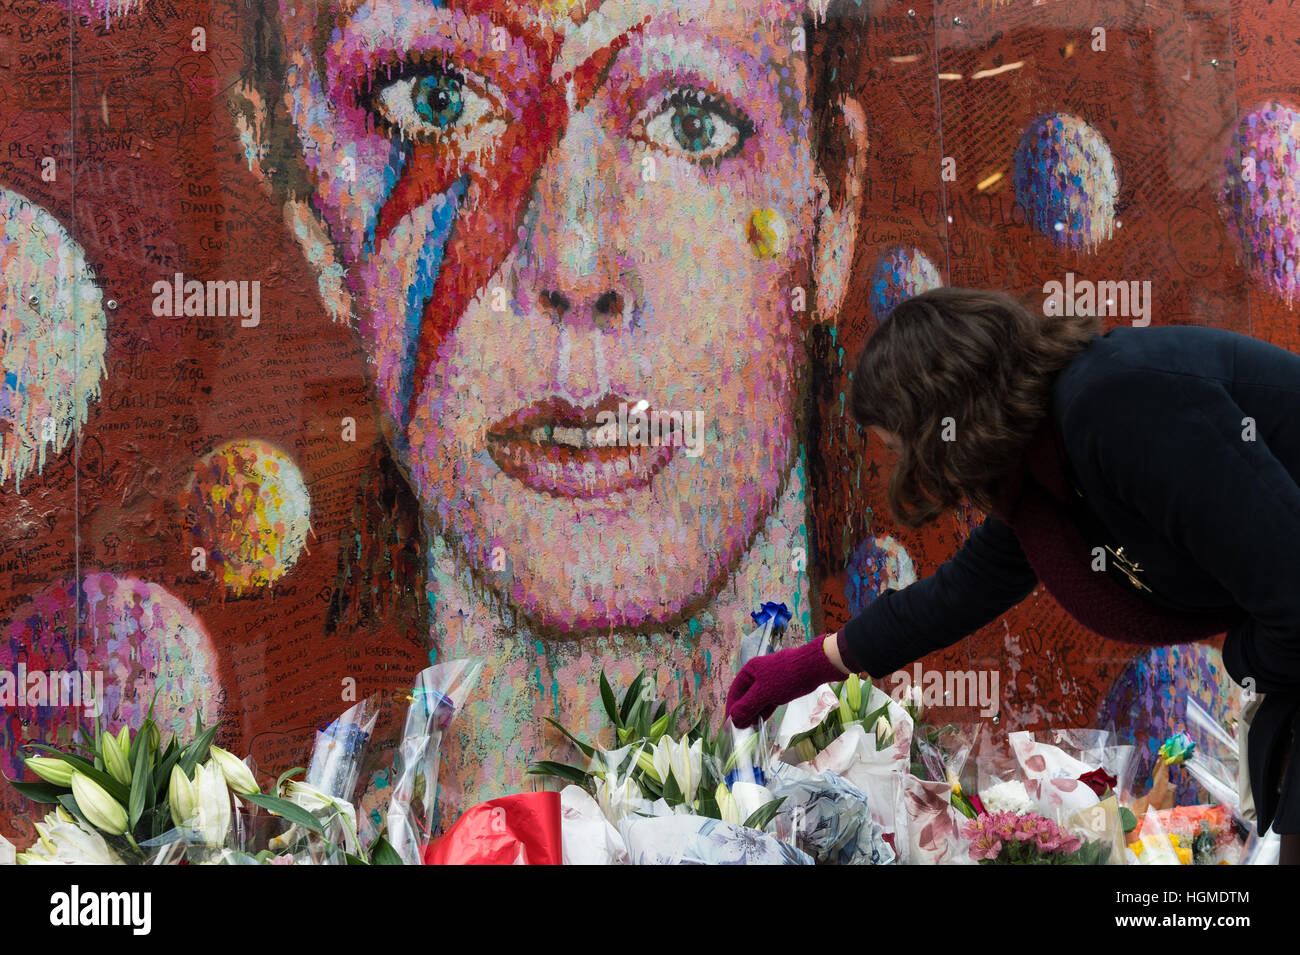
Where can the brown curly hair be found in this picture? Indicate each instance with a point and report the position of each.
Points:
(963, 377)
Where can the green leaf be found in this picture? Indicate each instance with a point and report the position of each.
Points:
(382, 853)
(289, 810)
(141, 779)
(197, 751)
(41, 792)
(607, 698)
(587, 750)
(631, 697)
(162, 773)
(649, 786)
(546, 767)
(672, 792)
(354, 860)
(1126, 819)
(764, 814)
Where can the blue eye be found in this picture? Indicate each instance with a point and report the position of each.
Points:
(700, 126)
(437, 99)
(431, 102)
(693, 128)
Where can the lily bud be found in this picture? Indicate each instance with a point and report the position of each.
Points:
(914, 700)
(647, 764)
(100, 809)
(727, 807)
(883, 729)
(182, 798)
(51, 769)
(237, 774)
(116, 759)
(847, 713)
(853, 690)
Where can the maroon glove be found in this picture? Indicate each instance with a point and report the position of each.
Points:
(765, 682)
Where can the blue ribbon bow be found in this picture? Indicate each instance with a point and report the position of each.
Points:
(779, 614)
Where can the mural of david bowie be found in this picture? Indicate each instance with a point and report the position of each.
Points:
(537, 211)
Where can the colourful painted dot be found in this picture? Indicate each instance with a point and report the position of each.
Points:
(1065, 180)
(248, 507)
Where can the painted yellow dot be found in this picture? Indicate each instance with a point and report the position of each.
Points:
(768, 235)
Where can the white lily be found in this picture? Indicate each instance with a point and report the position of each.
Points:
(327, 808)
(749, 797)
(687, 765)
(621, 800)
(213, 817)
(663, 758)
(61, 840)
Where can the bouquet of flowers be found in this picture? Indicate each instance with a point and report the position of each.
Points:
(1026, 838)
(663, 768)
(125, 799)
(1074, 781)
(856, 731)
(1188, 835)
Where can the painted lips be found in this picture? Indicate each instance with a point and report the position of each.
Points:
(555, 447)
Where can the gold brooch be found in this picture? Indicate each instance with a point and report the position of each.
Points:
(1128, 567)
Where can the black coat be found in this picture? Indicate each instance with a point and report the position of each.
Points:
(1185, 442)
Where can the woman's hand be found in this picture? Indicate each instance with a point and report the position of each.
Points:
(765, 682)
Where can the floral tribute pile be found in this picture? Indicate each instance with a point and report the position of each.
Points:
(847, 775)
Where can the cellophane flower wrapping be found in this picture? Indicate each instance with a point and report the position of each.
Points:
(1058, 777)
(700, 840)
(1187, 835)
(829, 818)
(340, 748)
(916, 816)
(588, 836)
(439, 693)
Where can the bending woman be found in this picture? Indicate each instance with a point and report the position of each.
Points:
(1148, 477)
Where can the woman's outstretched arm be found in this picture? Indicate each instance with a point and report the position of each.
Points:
(986, 577)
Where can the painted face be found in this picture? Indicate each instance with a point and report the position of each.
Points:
(548, 210)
